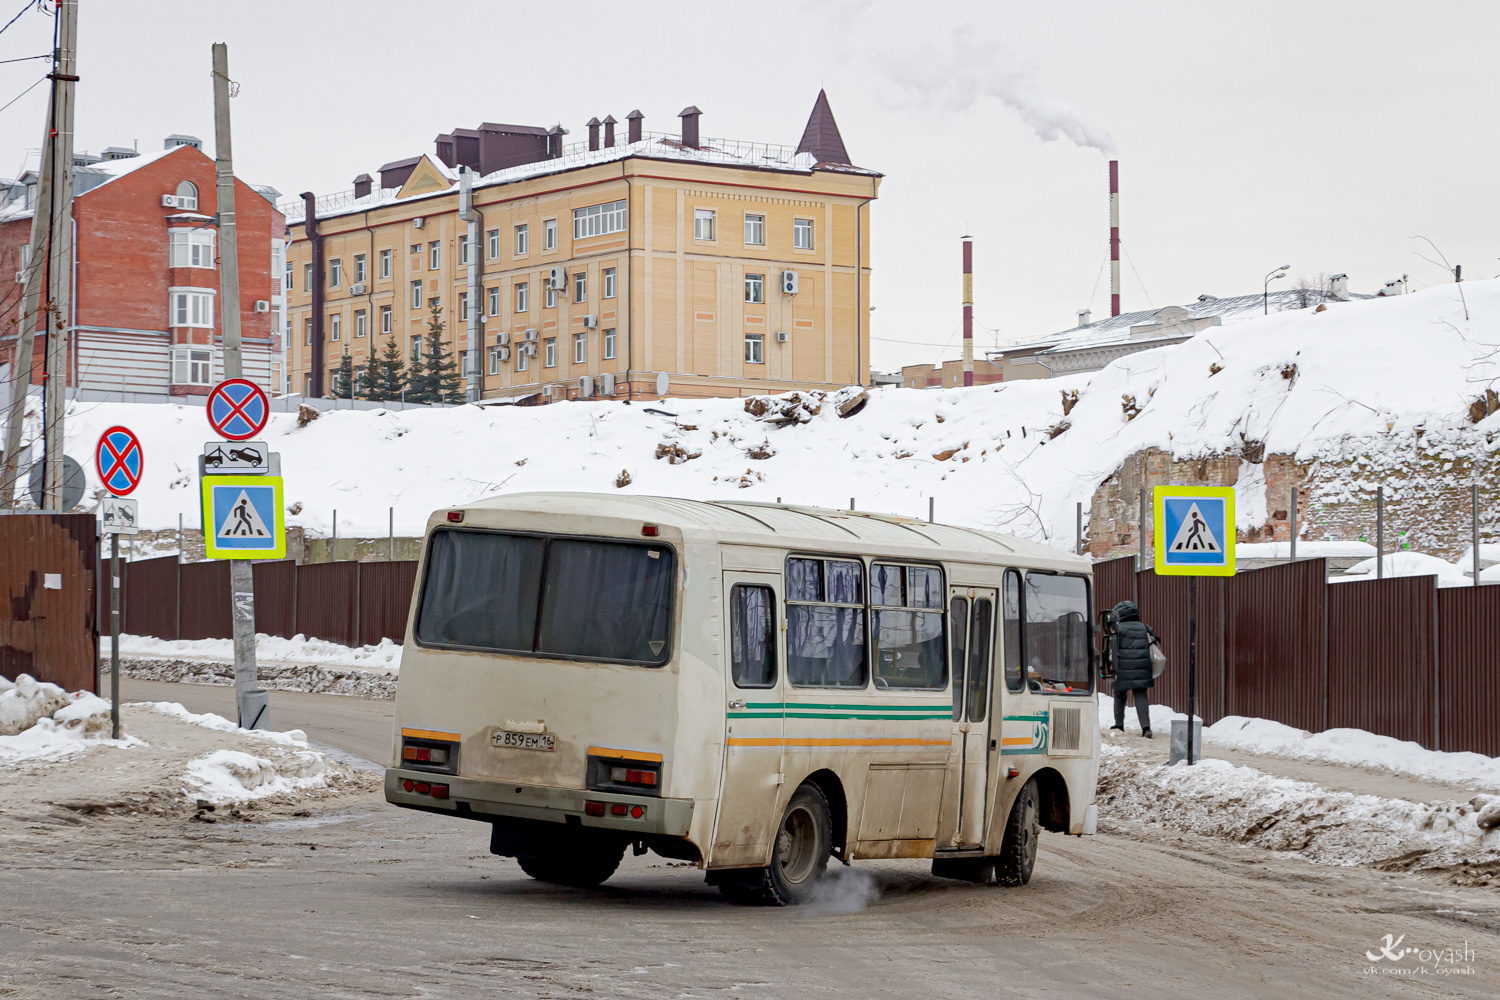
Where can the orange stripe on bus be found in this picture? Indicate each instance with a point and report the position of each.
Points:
(430, 734)
(625, 754)
(753, 741)
(1016, 741)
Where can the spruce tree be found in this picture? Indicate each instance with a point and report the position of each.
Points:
(417, 390)
(443, 384)
(387, 374)
(343, 379)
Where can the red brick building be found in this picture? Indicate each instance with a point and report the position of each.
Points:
(146, 316)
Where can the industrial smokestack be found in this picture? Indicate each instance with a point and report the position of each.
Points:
(1114, 237)
(968, 311)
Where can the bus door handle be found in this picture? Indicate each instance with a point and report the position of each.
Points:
(737, 703)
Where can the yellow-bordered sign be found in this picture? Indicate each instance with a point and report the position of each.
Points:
(1194, 530)
(243, 517)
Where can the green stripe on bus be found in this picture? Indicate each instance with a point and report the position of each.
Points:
(1024, 718)
(947, 716)
(846, 706)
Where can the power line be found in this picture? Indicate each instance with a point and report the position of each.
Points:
(22, 94)
(1138, 277)
(29, 5)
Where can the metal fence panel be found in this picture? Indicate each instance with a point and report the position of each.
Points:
(276, 598)
(1469, 669)
(50, 631)
(1114, 581)
(150, 597)
(204, 597)
(328, 601)
(1274, 640)
(1381, 657)
(1163, 602)
(385, 594)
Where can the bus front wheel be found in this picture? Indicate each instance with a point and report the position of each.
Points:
(579, 868)
(1022, 831)
(804, 841)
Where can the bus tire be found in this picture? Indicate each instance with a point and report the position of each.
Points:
(804, 842)
(581, 869)
(1023, 830)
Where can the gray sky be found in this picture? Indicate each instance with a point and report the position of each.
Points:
(1321, 135)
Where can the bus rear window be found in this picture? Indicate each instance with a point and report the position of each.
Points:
(567, 597)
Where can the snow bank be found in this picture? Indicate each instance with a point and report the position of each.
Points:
(26, 701)
(1305, 550)
(78, 721)
(1409, 564)
(229, 776)
(208, 720)
(269, 649)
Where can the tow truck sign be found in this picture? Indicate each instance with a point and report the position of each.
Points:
(242, 458)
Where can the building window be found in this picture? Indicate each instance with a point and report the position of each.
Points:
(360, 275)
(703, 223)
(551, 361)
(551, 297)
(609, 282)
(609, 345)
(522, 300)
(416, 294)
(335, 326)
(521, 358)
(755, 230)
(192, 307)
(463, 308)
(287, 283)
(187, 196)
(416, 348)
(434, 255)
(385, 263)
(494, 302)
(520, 241)
(359, 323)
(493, 240)
(436, 302)
(494, 361)
(755, 288)
(416, 248)
(802, 234)
(599, 220)
(307, 277)
(192, 366)
(580, 286)
(580, 348)
(385, 319)
(549, 234)
(755, 348)
(308, 329)
(190, 248)
(335, 272)
(463, 250)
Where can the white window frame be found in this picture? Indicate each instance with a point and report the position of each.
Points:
(361, 268)
(385, 263)
(705, 221)
(192, 365)
(416, 294)
(755, 289)
(190, 307)
(609, 344)
(580, 286)
(523, 239)
(494, 303)
(187, 196)
(335, 326)
(521, 358)
(755, 348)
(361, 323)
(599, 220)
(189, 248)
(307, 329)
(550, 351)
(287, 284)
(463, 307)
(494, 360)
(416, 347)
(580, 348)
(755, 229)
(385, 319)
(549, 234)
(463, 251)
(799, 228)
(435, 255)
(551, 297)
(523, 297)
(307, 277)
(609, 282)
(335, 272)
(492, 239)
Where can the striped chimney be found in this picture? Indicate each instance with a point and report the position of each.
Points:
(1114, 237)
(968, 311)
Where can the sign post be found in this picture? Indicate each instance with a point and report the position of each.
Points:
(120, 461)
(1194, 537)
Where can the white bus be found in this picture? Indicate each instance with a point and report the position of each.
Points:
(751, 687)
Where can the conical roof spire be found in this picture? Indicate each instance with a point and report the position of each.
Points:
(821, 137)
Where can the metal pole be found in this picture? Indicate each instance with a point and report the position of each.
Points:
(968, 311)
(931, 510)
(391, 536)
(851, 503)
(60, 255)
(1078, 525)
(114, 635)
(333, 552)
(1380, 532)
(1294, 523)
(1474, 506)
(1140, 560)
(179, 539)
(1192, 661)
(1114, 237)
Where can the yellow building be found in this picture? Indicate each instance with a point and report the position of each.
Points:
(732, 268)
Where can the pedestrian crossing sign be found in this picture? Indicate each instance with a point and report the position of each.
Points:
(1194, 530)
(242, 517)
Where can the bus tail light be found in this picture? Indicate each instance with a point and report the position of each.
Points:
(455, 516)
(425, 755)
(632, 776)
(440, 791)
(593, 808)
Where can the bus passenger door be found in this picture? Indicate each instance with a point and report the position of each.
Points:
(971, 631)
(750, 786)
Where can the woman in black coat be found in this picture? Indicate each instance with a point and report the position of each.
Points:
(1132, 665)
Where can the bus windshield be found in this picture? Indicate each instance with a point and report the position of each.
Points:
(570, 598)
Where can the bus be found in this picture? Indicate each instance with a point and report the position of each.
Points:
(754, 688)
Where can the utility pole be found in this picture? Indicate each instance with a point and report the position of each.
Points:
(60, 259)
(475, 219)
(241, 574)
(35, 268)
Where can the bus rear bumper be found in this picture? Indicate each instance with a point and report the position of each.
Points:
(489, 800)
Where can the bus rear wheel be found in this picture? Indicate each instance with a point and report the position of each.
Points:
(1022, 831)
(804, 841)
(579, 868)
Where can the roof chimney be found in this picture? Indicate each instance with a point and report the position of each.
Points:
(1083, 318)
(689, 116)
(555, 142)
(362, 185)
(609, 131)
(1339, 287)
(633, 121)
(593, 134)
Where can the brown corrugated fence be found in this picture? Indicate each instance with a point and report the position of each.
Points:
(1382, 651)
(1274, 623)
(49, 573)
(1469, 669)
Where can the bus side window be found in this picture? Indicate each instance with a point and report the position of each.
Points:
(825, 617)
(958, 628)
(752, 636)
(979, 660)
(1010, 606)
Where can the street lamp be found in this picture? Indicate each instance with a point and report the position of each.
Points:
(1265, 291)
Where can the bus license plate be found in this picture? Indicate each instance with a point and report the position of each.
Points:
(524, 741)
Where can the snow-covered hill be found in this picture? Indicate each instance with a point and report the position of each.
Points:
(1356, 379)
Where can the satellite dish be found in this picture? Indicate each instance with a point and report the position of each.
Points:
(662, 384)
(72, 484)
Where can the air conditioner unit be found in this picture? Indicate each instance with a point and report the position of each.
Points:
(607, 384)
(547, 391)
(585, 387)
(418, 223)
(169, 201)
(502, 338)
(358, 288)
(530, 350)
(557, 278)
(591, 322)
(782, 337)
(504, 354)
(533, 335)
(788, 282)
(262, 306)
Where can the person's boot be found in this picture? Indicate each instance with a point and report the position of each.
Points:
(1117, 726)
(1146, 733)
